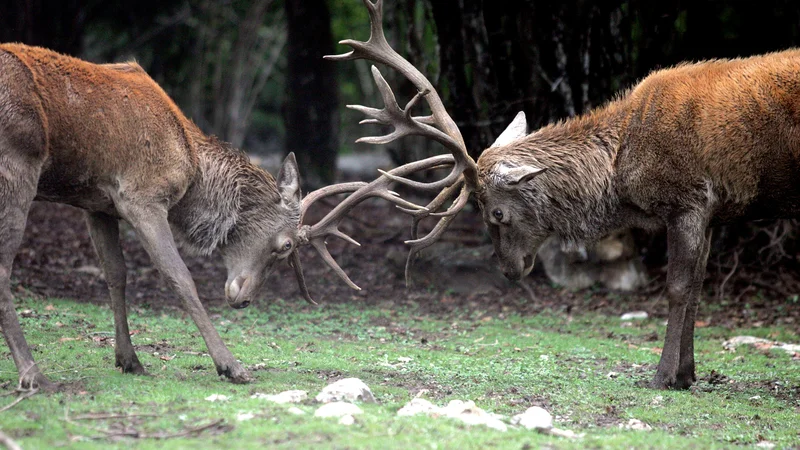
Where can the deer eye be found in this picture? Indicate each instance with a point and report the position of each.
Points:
(286, 246)
(498, 214)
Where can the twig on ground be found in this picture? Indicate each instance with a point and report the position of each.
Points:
(135, 433)
(8, 443)
(98, 416)
(24, 393)
(250, 328)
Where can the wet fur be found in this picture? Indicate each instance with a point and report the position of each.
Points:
(688, 147)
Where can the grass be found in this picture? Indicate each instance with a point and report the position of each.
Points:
(505, 364)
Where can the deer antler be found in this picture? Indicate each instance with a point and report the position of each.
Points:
(438, 126)
(316, 234)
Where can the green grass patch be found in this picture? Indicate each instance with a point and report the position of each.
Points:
(583, 369)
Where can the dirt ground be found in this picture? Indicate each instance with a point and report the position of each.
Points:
(458, 277)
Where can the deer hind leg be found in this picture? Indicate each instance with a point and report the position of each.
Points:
(686, 371)
(152, 227)
(688, 242)
(104, 230)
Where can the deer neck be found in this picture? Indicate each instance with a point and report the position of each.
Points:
(579, 154)
(227, 193)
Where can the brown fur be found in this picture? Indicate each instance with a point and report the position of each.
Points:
(687, 148)
(106, 138)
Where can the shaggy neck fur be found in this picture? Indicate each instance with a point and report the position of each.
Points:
(229, 197)
(575, 198)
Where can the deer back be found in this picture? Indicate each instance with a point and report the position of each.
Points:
(721, 128)
(106, 127)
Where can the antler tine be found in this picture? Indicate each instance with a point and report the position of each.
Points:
(301, 279)
(329, 225)
(327, 191)
(444, 129)
(438, 126)
(419, 244)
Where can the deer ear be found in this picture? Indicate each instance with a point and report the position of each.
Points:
(289, 181)
(516, 176)
(516, 130)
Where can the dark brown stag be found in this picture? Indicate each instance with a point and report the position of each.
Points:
(687, 148)
(107, 139)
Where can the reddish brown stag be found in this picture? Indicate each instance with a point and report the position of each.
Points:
(107, 139)
(687, 148)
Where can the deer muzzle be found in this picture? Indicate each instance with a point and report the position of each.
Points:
(234, 290)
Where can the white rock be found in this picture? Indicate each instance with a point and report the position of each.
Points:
(296, 411)
(241, 417)
(736, 341)
(562, 433)
(534, 418)
(612, 375)
(634, 315)
(293, 396)
(765, 444)
(657, 400)
(635, 424)
(470, 414)
(217, 398)
(419, 406)
(347, 420)
(487, 420)
(337, 409)
(347, 389)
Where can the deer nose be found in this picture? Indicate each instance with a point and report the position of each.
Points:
(513, 276)
(233, 290)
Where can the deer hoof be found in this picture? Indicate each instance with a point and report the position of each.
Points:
(673, 383)
(131, 366)
(39, 382)
(235, 373)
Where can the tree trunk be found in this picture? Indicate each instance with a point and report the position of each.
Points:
(311, 116)
(55, 25)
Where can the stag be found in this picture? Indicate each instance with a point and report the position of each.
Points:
(107, 139)
(685, 149)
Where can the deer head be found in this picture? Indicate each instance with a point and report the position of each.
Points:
(516, 231)
(270, 230)
(265, 232)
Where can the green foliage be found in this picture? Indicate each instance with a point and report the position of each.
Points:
(505, 364)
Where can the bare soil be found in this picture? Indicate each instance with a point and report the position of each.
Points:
(457, 277)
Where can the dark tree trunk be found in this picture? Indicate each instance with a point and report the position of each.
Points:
(311, 116)
(57, 25)
(468, 83)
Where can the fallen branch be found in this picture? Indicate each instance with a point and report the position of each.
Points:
(24, 393)
(8, 443)
(93, 416)
(136, 434)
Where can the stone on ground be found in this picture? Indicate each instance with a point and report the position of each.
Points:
(293, 396)
(419, 406)
(534, 418)
(337, 409)
(348, 390)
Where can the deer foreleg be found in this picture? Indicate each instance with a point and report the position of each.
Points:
(152, 227)
(688, 241)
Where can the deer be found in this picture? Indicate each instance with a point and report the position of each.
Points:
(107, 139)
(686, 149)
